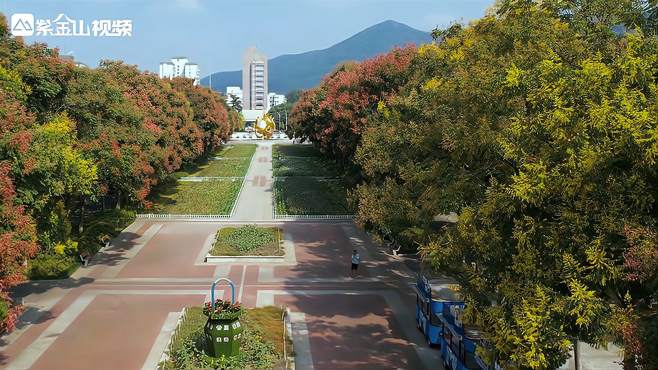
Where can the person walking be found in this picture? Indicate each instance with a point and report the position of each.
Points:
(356, 259)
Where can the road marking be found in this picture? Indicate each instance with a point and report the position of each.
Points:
(266, 275)
(33, 312)
(161, 342)
(244, 273)
(222, 270)
(31, 354)
(300, 340)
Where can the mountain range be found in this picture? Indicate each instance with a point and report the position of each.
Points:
(291, 72)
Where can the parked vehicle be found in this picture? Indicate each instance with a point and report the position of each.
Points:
(432, 299)
(439, 307)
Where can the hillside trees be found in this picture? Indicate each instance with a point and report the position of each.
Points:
(538, 125)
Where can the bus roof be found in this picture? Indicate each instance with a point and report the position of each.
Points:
(473, 332)
(446, 292)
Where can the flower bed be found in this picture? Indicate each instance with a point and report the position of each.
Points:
(262, 342)
(247, 240)
(224, 310)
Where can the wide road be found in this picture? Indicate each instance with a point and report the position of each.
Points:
(118, 312)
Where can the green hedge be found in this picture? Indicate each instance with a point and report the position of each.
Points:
(52, 266)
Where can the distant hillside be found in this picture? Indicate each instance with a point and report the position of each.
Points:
(301, 71)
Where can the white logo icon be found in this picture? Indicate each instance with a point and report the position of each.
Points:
(22, 24)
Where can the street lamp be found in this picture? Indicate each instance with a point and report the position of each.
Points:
(286, 112)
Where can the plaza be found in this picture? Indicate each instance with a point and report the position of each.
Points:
(120, 310)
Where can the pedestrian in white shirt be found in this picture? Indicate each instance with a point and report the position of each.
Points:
(356, 259)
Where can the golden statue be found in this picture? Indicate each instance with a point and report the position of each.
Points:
(264, 127)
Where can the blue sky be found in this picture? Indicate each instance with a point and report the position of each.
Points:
(215, 33)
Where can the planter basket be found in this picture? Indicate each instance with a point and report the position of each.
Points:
(223, 337)
(223, 330)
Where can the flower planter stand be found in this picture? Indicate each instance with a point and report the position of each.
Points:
(223, 337)
(223, 333)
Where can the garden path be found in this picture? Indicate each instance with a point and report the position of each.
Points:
(255, 199)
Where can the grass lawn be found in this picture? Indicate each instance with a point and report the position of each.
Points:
(292, 150)
(237, 150)
(198, 198)
(308, 196)
(248, 240)
(303, 166)
(262, 344)
(301, 160)
(233, 167)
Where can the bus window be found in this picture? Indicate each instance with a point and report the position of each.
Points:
(434, 320)
(423, 307)
(469, 361)
(447, 335)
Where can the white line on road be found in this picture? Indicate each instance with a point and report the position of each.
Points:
(301, 343)
(244, 273)
(160, 344)
(30, 355)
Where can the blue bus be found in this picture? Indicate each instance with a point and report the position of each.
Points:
(433, 297)
(439, 307)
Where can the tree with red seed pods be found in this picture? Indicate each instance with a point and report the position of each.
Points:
(335, 114)
(210, 113)
(17, 230)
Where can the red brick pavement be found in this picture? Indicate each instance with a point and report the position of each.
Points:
(118, 331)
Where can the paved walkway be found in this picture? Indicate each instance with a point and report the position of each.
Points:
(255, 200)
(118, 312)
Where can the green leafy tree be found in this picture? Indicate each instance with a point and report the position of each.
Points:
(537, 125)
(236, 103)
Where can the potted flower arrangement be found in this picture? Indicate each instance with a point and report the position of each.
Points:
(223, 329)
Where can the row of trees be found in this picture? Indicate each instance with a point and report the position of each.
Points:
(70, 137)
(538, 125)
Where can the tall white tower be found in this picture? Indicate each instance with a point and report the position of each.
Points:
(254, 80)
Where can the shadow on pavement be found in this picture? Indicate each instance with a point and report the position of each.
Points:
(347, 327)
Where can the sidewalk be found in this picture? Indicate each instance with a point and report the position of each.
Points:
(255, 200)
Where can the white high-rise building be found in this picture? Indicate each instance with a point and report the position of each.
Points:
(231, 92)
(254, 80)
(274, 99)
(180, 67)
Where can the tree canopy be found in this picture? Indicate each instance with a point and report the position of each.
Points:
(73, 136)
(538, 126)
